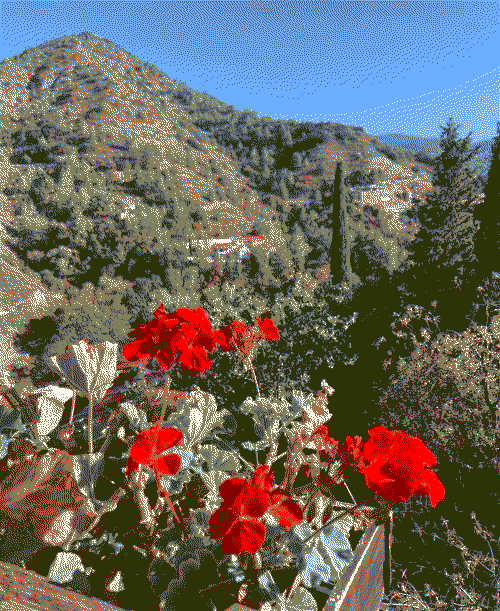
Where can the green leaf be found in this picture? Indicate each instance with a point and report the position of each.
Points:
(302, 600)
(219, 460)
(50, 404)
(196, 416)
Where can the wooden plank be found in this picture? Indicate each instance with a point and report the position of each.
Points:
(23, 590)
(361, 586)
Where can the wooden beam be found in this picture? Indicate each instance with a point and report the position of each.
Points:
(23, 590)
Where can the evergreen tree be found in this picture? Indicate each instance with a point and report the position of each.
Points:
(443, 250)
(488, 215)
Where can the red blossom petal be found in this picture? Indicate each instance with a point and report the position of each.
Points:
(244, 536)
(142, 449)
(221, 521)
(231, 489)
(138, 349)
(263, 478)
(288, 513)
(195, 360)
(394, 478)
(431, 486)
(278, 495)
(167, 438)
(167, 465)
(268, 330)
(131, 466)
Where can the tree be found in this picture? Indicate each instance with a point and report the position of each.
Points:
(340, 248)
(442, 253)
(488, 215)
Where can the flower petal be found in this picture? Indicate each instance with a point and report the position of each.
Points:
(131, 466)
(288, 513)
(168, 438)
(432, 486)
(268, 329)
(168, 464)
(142, 449)
(263, 477)
(231, 489)
(256, 500)
(244, 536)
(394, 477)
(221, 521)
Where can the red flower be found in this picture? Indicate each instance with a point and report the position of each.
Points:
(397, 467)
(323, 440)
(351, 453)
(268, 330)
(145, 453)
(237, 521)
(243, 338)
(185, 334)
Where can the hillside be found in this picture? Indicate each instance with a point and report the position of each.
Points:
(87, 128)
(212, 154)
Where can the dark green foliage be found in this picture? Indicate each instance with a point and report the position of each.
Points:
(445, 241)
(488, 215)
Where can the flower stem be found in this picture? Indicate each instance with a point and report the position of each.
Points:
(166, 390)
(249, 362)
(91, 424)
(350, 493)
(73, 403)
(341, 515)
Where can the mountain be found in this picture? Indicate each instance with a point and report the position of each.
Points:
(97, 146)
(430, 147)
(83, 105)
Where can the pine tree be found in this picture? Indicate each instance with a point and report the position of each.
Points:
(340, 249)
(488, 215)
(443, 250)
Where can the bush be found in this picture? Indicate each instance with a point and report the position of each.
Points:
(445, 392)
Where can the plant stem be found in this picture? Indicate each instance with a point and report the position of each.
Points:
(341, 515)
(73, 403)
(249, 362)
(350, 493)
(166, 389)
(91, 424)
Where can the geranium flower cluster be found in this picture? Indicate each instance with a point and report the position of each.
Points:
(188, 335)
(394, 465)
(238, 520)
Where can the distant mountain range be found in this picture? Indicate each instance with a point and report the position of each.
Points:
(430, 147)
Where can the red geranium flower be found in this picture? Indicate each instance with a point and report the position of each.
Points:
(268, 329)
(321, 437)
(186, 334)
(144, 451)
(351, 453)
(237, 521)
(397, 467)
(243, 338)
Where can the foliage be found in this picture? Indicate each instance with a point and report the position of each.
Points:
(445, 239)
(488, 214)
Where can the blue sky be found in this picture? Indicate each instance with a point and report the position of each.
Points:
(387, 66)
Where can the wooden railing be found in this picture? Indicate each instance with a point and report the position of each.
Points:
(23, 590)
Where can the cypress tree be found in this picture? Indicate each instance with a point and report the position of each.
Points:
(488, 215)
